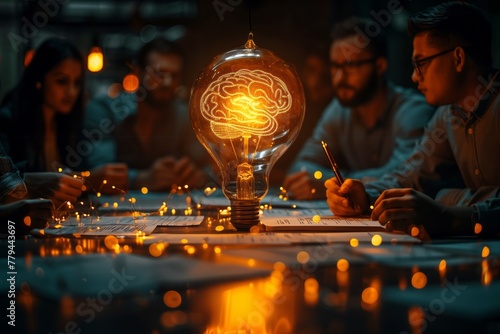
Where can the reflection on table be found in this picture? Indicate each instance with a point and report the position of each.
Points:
(209, 278)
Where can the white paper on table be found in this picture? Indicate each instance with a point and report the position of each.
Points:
(324, 223)
(122, 225)
(103, 230)
(273, 238)
(296, 213)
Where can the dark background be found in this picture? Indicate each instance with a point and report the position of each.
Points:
(204, 28)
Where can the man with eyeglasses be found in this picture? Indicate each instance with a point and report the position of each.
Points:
(149, 131)
(451, 183)
(371, 125)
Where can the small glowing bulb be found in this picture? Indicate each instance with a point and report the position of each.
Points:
(95, 60)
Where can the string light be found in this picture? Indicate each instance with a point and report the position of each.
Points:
(95, 60)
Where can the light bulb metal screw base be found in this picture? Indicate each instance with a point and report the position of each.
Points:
(244, 214)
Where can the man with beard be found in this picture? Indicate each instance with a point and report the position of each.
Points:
(371, 125)
(149, 131)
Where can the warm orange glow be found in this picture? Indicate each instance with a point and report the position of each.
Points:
(114, 90)
(414, 231)
(318, 175)
(311, 285)
(111, 242)
(171, 319)
(485, 252)
(302, 257)
(190, 250)
(27, 220)
(354, 242)
(130, 83)
(144, 190)
(485, 273)
(442, 265)
(257, 307)
(417, 319)
(419, 280)
(172, 299)
(156, 249)
(402, 284)
(376, 240)
(67, 307)
(369, 295)
(28, 57)
(79, 249)
(342, 265)
(279, 266)
(478, 228)
(95, 60)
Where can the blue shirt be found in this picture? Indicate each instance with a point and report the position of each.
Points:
(361, 152)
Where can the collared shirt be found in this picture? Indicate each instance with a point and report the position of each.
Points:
(457, 161)
(110, 122)
(361, 152)
(11, 182)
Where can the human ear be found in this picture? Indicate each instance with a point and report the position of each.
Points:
(459, 58)
(381, 64)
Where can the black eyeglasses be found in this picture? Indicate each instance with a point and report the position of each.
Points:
(350, 66)
(417, 63)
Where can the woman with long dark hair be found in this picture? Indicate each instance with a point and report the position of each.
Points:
(46, 106)
(42, 116)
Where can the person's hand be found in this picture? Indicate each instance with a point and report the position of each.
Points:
(337, 201)
(167, 172)
(115, 174)
(302, 186)
(188, 174)
(403, 209)
(25, 215)
(58, 187)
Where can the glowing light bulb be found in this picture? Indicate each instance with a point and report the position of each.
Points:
(246, 108)
(95, 60)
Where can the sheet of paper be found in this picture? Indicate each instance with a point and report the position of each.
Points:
(102, 230)
(129, 220)
(320, 223)
(150, 202)
(278, 238)
(121, 225)
(296, 213)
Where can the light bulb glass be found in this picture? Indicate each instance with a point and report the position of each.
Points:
(246, 107)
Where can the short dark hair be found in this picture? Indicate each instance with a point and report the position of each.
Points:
(456, 24)
(160, 45)
(377, 44)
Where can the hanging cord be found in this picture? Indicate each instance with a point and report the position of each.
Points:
(250, 15)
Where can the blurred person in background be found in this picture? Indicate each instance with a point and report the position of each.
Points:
(40, 121)
(371, 125)
(40, 117)
(150, 130)
(315, 76)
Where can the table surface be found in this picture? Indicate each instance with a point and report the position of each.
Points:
(206, 279)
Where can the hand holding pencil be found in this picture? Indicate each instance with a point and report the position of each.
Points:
(336, 170)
